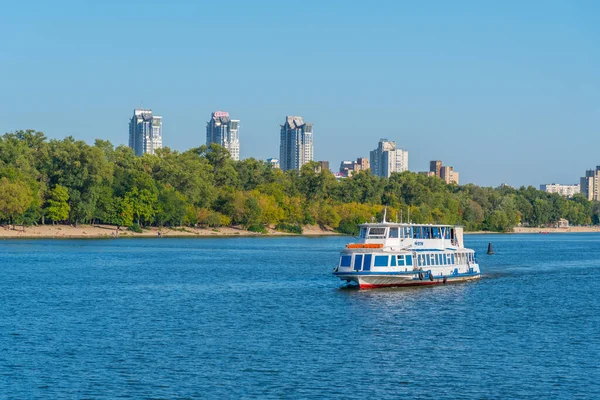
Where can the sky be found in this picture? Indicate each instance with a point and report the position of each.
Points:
(506, 92)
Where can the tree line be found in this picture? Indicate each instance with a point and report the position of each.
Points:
(69, 181)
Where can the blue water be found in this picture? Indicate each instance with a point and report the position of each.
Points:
(264, 318)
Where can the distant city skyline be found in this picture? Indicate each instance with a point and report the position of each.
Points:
(504, 92)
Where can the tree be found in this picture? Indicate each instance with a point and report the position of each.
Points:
(143, 204)
(57, 206)
(15, 199)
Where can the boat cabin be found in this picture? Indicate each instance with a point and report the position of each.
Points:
(414, 235)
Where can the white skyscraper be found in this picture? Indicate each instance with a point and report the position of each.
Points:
(224, 131)
(145, 132)
(387, 159)
(296, 143)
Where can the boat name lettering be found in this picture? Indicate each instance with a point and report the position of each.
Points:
(418, 243)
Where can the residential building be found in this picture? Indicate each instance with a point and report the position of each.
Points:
(224, 131)
(445, 173)
(448, 175)
(323, 166)
(145, 132)
(436, 168)
(387, 159)
(363, 163)
(349, 168)
(274, 162)
(296, 143)
(563, 190)
(589, 184)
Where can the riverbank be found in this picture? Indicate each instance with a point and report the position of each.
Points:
(109, 231)
(575, 229)
(572, 229)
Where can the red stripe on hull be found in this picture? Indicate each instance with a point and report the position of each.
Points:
(420, 283)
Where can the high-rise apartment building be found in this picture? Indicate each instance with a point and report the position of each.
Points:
(589, 184)
(296, 143)
(563, 190)
(448, 175)
(363, 163)
(436, 167)
(145, 132)
(445, 173)
(225, 132)
(387, 159)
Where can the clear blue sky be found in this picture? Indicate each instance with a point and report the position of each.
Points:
(505, 91)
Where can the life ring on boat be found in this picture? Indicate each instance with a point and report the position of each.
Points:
(431, 276)
(421, 275)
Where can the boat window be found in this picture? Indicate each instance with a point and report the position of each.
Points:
(393, 264)
(401, 261)
(432, 256)
(447, 233)
(408, 232)
(435, 232)
(377, 233)
(427, 260)
(409, 261)
(437, 259)
(367, 262)
(358, 262)
(381, 261)
(345, 261)
(452, 259)
(363, 233)
(394, 233)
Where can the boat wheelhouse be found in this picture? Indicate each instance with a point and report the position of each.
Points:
(405, 254)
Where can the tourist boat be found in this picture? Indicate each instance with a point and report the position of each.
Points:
(406, 254)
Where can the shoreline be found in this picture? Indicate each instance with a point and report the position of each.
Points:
(110, 232)
(519, 230)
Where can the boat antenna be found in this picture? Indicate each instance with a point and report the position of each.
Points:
(409, 215)
(384, 213)
(400, 215)
(396, 216)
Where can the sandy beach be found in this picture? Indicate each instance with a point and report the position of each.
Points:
(108, 231)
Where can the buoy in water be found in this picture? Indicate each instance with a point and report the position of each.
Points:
(490, 250)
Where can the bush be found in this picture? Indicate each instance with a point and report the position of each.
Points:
(135, 228)
(259, 228)
(290, 228)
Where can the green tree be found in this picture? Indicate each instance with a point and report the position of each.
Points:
(15, 199)
(57, 206)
